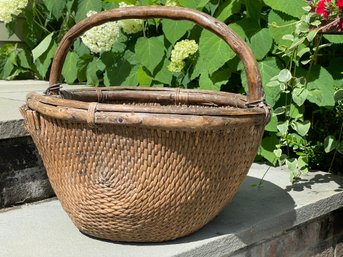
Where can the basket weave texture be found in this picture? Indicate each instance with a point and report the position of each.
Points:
(145, 165)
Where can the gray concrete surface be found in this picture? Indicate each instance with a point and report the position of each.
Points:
(44, 229)
(12, 96)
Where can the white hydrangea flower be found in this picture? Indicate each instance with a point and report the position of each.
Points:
(101, 38)
(9, 8)
(182, 50)
(130, 26)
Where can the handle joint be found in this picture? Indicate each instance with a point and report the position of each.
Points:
(53, 89)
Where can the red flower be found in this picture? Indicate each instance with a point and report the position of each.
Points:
(321, 8)
(340, 4)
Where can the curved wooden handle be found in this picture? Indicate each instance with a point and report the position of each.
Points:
(255, 92)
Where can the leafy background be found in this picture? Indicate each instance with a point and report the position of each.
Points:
(301, 67)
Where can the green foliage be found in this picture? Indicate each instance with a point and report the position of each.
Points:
(290, 7)
(301, 67)
(149, 52)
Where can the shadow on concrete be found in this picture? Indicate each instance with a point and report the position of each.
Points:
(303, 183)
(252, 214)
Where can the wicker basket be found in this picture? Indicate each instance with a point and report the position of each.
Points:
(146, 164)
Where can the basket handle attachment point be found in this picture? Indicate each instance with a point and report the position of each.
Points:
(255, 92)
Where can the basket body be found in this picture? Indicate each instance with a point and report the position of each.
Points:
(142, 184)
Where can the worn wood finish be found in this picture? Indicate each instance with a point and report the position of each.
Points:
(255, 93)
(146, 164)
(162, 120)
(153, 104)
(160, 95)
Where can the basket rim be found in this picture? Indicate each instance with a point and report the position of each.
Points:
(177, 115)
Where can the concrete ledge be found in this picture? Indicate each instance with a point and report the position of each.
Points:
(279, 219)
(12, 97)
(22, 175)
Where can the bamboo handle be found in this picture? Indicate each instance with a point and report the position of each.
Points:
(255, 92)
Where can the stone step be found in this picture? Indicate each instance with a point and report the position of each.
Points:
(22, 175)
(276, 220)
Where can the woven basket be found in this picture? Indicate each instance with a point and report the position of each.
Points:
(146, 164)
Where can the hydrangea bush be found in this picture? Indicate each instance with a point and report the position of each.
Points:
(10, 9)
(301, 65)
(101, 38)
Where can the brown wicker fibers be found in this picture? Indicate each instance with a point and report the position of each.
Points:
(138, 184)
(146, 165)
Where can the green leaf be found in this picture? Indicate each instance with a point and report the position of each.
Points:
(42, 47)
(149, 52)
(296, 43)
(303, 51)
(9, 65)
(245, 28)
(199, 68)
(44, 61)
(92, 70)
(79, 48)
(272, 125)
(56, 8)
(330, 144)
(267, 148)
(284, 76)
(299, 95)
(312, 34)
(164, 75)
(320, 79)
(283, 127)
(281, 24)
(143, 78)
(336, 39)
(261, 43)
(254, 9)
(189, 3)
(292, 164)
(289, 37)
(214, 51)
(131, 79)
(295, 112)
(339, 95)
(277, 152)
(84, 6)
(220, 77)
(280, 110)
(290, 7)
(25, 59)
(174, 30)
(227, 9)
(82, 65)
(116, 69)
(202, 4)
(302, 128)
(206, 83)
(32, 34)
(336, 70)
(69, 71)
